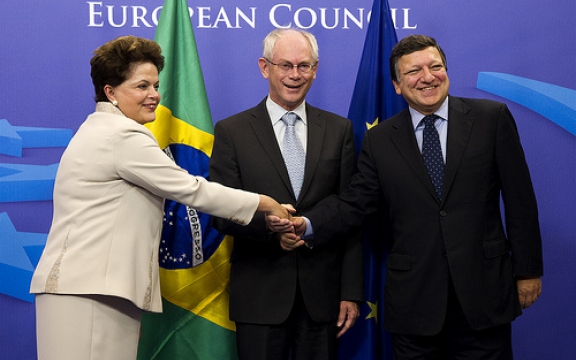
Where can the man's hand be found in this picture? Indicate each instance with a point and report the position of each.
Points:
(290, 231)
(279, 225)
(290, 241)
(529, 289)
(349, 312)
(299, 225)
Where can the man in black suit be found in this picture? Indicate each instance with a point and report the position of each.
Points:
(285, 300)
(456, 275)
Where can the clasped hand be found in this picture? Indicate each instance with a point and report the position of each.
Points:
(290, 229)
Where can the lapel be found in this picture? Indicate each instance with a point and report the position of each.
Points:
(405, 141)
(261, 124)
(315, 143)
(459, 128)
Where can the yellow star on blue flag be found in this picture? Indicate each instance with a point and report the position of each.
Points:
(373, 311)
(371, 125)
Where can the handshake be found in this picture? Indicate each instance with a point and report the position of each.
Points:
(289, 228)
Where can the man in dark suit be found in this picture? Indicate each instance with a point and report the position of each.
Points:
(285, 300)
(456, 275)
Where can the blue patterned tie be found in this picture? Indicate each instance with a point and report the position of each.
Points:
(432, 154)
(293, 153)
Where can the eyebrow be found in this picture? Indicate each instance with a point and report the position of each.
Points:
(136, 82)
(418, 67)
(309, 61)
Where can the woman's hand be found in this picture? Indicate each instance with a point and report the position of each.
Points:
(272, 208)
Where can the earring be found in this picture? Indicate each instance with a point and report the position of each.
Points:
(115, 102)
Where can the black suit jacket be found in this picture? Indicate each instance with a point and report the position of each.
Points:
(462, 237)
(264, 277)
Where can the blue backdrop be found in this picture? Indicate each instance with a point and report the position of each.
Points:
(46, 93)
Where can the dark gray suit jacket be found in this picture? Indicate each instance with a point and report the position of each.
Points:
(463, 237)
(264, 277)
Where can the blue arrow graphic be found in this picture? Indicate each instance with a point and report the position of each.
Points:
(10, 141)
(15, 138)
(37, 137)
(555, 103)
(19, 255)
(26, 182)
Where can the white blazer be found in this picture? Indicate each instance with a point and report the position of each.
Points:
(108, 209)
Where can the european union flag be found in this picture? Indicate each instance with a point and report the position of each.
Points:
(374, 100)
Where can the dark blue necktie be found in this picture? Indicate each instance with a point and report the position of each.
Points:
(432, 154)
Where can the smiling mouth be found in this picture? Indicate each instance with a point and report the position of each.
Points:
(292, 86)
(429, 88)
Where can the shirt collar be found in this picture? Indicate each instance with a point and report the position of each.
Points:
(104, 106)
(417, 117)
(276, 111)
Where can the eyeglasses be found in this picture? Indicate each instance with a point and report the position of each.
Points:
(286, 67)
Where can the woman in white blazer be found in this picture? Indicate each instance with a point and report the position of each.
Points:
(99, 269)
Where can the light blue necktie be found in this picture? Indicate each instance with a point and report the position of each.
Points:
(293, 153)
(432, 154)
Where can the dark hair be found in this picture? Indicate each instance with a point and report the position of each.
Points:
(113, 61)
(408, 45)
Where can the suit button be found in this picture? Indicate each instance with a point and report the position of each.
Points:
(443, 213)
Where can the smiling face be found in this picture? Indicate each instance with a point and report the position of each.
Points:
(288, 89)
(422, 80)
(138, 95)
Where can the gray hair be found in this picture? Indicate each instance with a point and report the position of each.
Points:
(274, 35)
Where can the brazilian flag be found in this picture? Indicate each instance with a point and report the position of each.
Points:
(194, 267)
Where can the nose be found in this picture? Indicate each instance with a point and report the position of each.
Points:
(427, 74)
(154, 92)
(294, 71)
